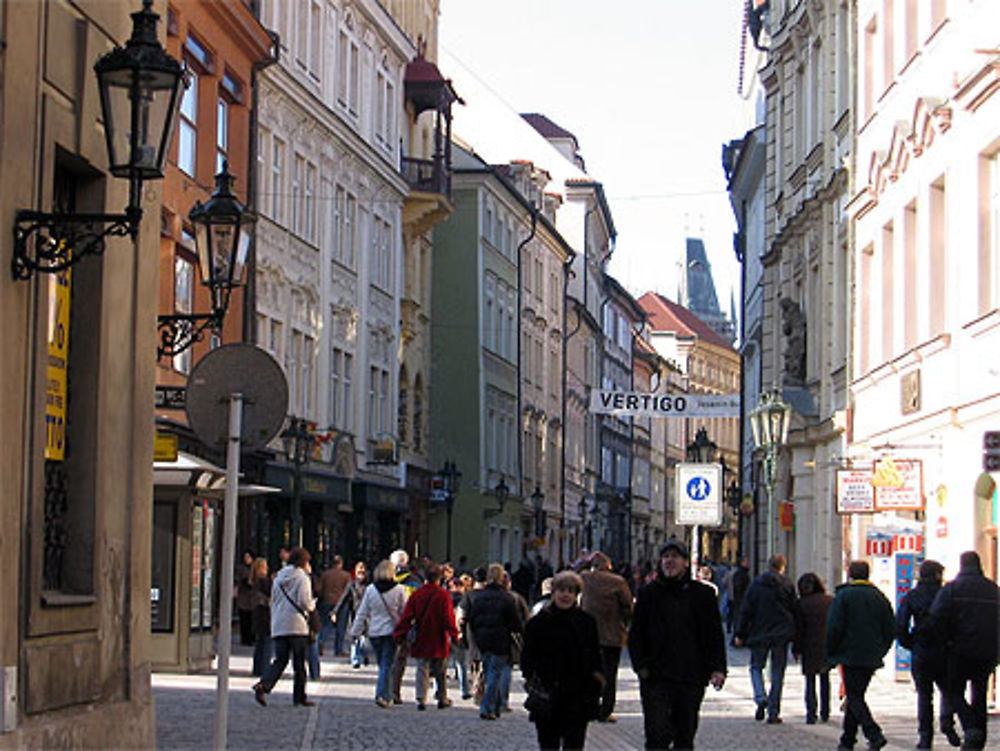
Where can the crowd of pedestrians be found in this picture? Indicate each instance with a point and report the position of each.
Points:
(566, 632)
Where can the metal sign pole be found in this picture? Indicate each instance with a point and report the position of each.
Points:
(228, 556)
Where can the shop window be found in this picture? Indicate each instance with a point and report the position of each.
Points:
(162, 586)
(72, 355)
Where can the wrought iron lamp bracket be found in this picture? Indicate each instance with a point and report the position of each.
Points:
(178, 332)
(50, 243)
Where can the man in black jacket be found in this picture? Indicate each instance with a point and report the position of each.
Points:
(493, 617)
(767, 625)
(966, 613)
(913, 627)
(677, 648)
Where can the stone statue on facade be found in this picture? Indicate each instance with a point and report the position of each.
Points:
(794, 329)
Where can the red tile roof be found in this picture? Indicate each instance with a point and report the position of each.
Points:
(666, 315)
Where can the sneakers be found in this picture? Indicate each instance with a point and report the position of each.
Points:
(382, 703)
(421, 707)
(761, 710)
(259, 693)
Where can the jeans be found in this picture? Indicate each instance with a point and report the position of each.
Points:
(962, 670)
(359, 651)
(431, 666)
(340, 630)
(385, 650)
(312, 656)
(670, 713)
(505, 677)
(759, 653)
(927, 673)
(285, 646)
(493, 667)
(856, 713)
(263, 651)
(460, 655)
(326, 625)
(824, 695)
(398, 668)
(610, 657)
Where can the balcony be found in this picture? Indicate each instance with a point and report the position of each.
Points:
(427, 175)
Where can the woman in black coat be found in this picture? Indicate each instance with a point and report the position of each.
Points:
(810, 644)
(561, 652)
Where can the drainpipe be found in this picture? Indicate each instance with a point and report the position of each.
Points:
(520, 295)
(250, 298)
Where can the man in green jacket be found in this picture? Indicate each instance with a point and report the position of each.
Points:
(860, 628)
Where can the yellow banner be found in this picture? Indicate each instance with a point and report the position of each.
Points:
(57, 366)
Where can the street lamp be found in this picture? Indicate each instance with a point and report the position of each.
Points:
(537, 502)
(451, 476)
(140, 89)
(769, 424)
(703, 448)
(502, 493)
(298, 440)
(222, 228)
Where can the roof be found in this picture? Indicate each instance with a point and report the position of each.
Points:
(546, 127)
(666, 315)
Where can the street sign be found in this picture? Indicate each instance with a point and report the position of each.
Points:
(699, 496)
(170, 397)
(165, 447)
(855, 494)
(624, 403)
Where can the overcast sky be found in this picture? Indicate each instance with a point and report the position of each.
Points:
(649, 88)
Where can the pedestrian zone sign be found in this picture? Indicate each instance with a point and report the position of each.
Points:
(699, 497)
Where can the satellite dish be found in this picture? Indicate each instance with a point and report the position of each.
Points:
(240, 368)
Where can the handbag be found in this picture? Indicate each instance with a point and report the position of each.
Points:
(411, 634)
(312, 617)
(539, 699)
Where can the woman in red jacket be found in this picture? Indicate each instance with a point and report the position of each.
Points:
(430, 610)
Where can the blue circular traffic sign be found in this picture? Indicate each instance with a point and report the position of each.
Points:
(698, 489)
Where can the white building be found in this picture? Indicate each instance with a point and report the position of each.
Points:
(925, 369)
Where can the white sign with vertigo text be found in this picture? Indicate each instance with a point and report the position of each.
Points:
(643, 404)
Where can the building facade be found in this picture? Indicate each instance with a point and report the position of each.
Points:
(804, 336)
(79, 352)
(925, 213)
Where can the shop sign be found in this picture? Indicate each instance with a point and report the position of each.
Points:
(57, 364)
(786, 516)
(165, 447)
(855, 494)
(898, 484)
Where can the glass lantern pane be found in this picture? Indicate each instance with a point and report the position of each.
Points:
(204, 252)
(243, 248)
(223, 236)
(117, 117)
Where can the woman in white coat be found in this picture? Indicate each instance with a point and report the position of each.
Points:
(380, 609)
(291, 602)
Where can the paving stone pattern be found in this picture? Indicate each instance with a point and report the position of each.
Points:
(346, 717)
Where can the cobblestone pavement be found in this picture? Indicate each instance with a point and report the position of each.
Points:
(345, 715)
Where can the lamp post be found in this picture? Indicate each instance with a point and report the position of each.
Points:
(502, 493)
(222, 228)
(298, 439)
(701, 450)
(769, 423)
(140, 89)
(451, 476)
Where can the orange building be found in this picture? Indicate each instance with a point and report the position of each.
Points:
(221, 43)
(223, 46)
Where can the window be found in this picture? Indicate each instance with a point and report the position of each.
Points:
(866, 338)
(888, 298)
(315, 27)
(350, 221)
(187, 127)
(261, 176)
(346, 377)
(402, 421)
(910, 270)
(418, 416)
(888, 44)
(349, 84)
(183, 304)
(939, 257)
(489, 334)
(277, 179)
(221, 133)
(298, 176)
(309, 208)
(381, 257)
(292, 360)
(912, 18)
(334, 408)
(306, 374)
(869, 70)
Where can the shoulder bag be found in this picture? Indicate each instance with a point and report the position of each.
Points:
(312, 617)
